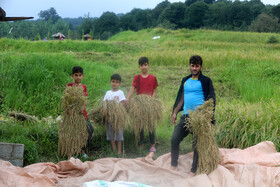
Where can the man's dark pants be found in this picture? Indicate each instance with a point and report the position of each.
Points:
(179, 133)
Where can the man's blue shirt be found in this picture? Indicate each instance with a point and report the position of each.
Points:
(193, 95)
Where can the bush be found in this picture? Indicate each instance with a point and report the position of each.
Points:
(272, 40)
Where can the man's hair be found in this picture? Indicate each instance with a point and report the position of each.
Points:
(116, 77)
(143, 60)
(77, 69)
(196, 59)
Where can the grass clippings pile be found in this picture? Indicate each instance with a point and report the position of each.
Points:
(24, 117)
(207, 148)
(113, 112)
(73, 129)
(145, 112)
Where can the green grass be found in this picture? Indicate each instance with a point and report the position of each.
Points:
(68, 46)
(244, 69)
(34, 83)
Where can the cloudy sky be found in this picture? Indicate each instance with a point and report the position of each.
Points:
(74, 8)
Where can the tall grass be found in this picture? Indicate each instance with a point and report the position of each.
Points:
(243, 124)
(22, 45)
(34, 83)
(40, 140)
(200, 35)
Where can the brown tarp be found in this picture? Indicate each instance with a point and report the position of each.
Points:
(255, 166)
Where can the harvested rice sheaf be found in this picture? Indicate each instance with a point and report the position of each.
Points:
(207, 148)
(73, 129)
(113, 112)
(145, 112)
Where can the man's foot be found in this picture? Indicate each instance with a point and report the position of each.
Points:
(191, 174)
(150, 155)
(175, 168)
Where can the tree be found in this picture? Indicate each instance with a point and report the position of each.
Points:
(265, 23)
(88, 24)
(194, 15)
(127, 22)
(142, 18)
(155, 13)
(49, 14)
(276, 11)
(174, 14)
(108, 22)
(256, 7)
(190, 2)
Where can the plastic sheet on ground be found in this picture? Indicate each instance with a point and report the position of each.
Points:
(255, 166)
(101, 183)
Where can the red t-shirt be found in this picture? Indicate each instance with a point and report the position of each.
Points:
(145, 85)
(85, 94)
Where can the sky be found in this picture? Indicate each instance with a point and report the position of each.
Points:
(80, 8)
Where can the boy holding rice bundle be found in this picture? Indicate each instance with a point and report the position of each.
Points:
(195, 89)
(144, 83)
(78, 75)
(114, 95)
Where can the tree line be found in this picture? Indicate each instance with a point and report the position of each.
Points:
(236, 15)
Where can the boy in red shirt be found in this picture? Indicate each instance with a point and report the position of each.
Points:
(144, 83)
(78, 75)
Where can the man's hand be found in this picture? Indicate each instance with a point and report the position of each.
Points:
(173, 118)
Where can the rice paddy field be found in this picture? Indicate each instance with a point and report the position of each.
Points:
(244, 68)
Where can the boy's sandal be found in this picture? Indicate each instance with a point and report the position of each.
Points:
(153, 149)
(85, 156)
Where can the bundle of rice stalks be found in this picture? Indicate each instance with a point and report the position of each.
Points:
(115, 113)
(145, 112)
(73, 129)
(207, 148)
(94, 115)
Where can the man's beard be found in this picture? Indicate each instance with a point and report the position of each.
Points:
(196, 74)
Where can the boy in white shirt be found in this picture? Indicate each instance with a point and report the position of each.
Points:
(117, 95)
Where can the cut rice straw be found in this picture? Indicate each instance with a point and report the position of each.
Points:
(206, 146)
(115, 113)
(145, 112)
(73, 129)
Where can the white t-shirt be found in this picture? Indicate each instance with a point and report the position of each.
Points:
(114, 95)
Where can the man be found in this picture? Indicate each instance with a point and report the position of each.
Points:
(194, 90)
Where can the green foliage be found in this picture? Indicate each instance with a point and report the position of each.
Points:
(57, 47)
(243, 124)
(195, 14)
(158, 10)
(265, 23)
(107, 23)
(29, 29)
(272, 40)
(49, 15)
(174, 14)
(127, 22)
(87, 25)
(34, 83)
(276, 11)
(37, 37)
(40, 140)
(211, 14)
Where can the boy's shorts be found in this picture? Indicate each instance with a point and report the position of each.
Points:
(111, 135)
